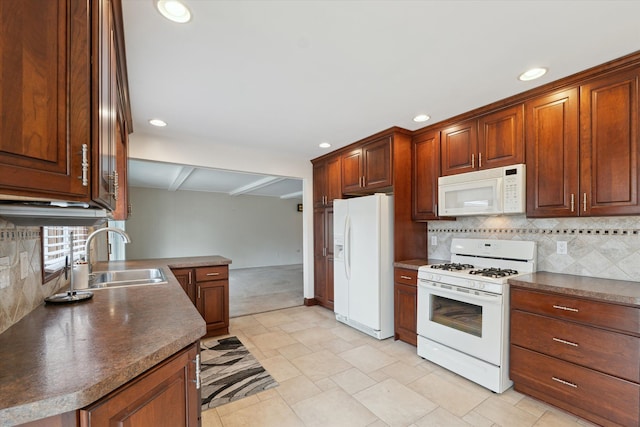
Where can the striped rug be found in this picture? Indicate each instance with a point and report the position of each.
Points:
(229, 372)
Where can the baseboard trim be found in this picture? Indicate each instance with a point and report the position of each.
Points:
(310, 301)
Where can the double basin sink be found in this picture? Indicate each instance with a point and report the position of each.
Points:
(123, 278)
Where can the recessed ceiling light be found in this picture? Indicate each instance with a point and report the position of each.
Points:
(532, 74)
(158, 122)
(421, 118)
(174, 11)
(324, 145)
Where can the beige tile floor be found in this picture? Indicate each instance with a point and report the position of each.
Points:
(333, 375)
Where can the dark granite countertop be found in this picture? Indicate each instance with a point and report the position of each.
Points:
(61, 358)
(616, 291)
(413, 264)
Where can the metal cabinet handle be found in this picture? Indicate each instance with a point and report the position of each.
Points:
(198, 292)
(190, 282)
(573, 201)
(85, 165)
(560, 340)
(562, 307)
(213, 274)
(584, 202)
(473, 161)
(480, 160)
(564, 382)
(406, 277)
(196, 361)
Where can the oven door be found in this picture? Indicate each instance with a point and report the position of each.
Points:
(464, 319)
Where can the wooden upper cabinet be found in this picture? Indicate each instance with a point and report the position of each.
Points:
(327, 182)
(501, 138)
(425, 172)
(491, 141)
(45, 114)
(112, 124)
(552, 154)
(368, 167)
(459, 148)
(609, 139)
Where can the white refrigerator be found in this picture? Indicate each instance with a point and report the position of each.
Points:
(363, 263)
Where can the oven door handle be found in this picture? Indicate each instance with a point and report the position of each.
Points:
(484, 296)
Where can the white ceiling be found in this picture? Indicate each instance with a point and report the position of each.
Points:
(289, 74)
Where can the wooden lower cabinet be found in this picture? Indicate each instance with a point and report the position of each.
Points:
(580, 355)
(208, 289)
(166, 396)
(323, 257)
(406, 305)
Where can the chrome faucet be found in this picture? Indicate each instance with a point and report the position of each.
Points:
(87, 245)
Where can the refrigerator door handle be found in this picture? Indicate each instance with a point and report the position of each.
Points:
(347, 247)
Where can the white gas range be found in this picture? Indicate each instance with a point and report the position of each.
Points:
(463, 308)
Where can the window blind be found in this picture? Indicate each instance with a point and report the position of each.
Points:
(56, 244)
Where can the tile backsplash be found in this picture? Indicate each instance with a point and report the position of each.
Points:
(21, 296)
(606, 247)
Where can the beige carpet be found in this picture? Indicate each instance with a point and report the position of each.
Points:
(261, 289)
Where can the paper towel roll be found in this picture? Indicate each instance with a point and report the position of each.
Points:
(81, 275)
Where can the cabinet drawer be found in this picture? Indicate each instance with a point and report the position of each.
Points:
(605, 351)
(406, 276)
(600, 394)
(205, 274)
(613, 316)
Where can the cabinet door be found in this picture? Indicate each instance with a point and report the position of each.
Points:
(121, 189)
(376, 164)
(165, 396)
(319, 183)
(501, 138)
(213, 304)
(352, 171)
(105, 179)
(609, 145)
(552, 154)
(46, 107)
(406, 308)
(459, 145)
(323, 250)
(425, 170)
(185, 278)
(334, 180)
(327, 182)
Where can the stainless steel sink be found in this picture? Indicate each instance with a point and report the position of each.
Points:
(122, 278)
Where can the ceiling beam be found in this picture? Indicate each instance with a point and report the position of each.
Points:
(263, 182)
(182, 176)
(292, 195)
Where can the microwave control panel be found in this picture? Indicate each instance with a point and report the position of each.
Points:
(514, 189)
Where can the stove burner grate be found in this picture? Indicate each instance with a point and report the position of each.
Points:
(452, 266)
(494, 272)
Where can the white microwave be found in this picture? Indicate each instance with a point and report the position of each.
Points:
(495, 191)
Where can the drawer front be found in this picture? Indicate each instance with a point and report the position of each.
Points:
(614, 316)
(205, 274)
(611, 398)
(406, 276)
(605, 351)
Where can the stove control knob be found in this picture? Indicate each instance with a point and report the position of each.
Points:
(480, 285)
(437, 277)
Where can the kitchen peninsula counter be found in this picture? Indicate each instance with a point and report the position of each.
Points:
(615, 291)
(60, 358)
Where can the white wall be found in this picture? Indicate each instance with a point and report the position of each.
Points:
(252, 231)
(189, 151)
